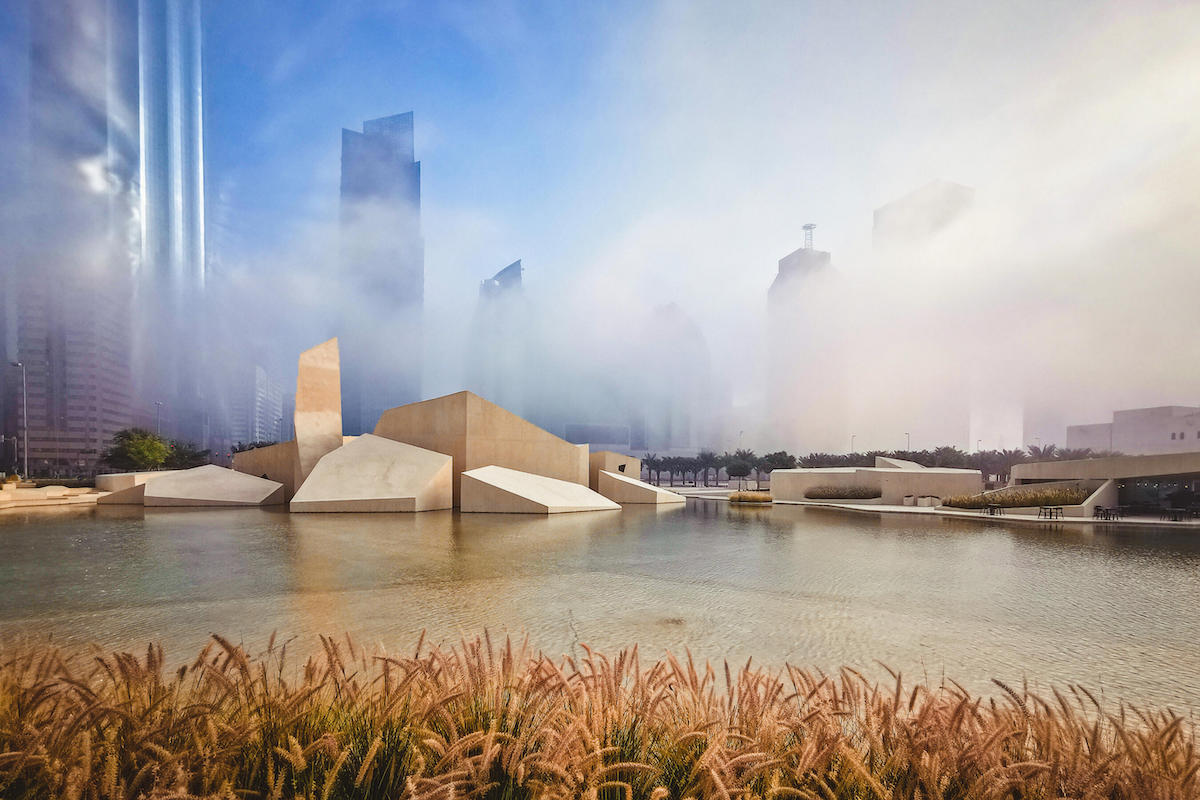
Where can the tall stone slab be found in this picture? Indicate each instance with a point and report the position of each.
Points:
(318, 406)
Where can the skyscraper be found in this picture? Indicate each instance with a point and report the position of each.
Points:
(383, 271)
(103, 261)
(497, 352)
(171, 277)
(72, 242)
(806, 395)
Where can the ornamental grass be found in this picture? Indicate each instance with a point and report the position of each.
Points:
(750, 497)
(1022, 497)
(479, 721)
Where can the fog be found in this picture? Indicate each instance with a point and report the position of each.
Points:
(650, 215)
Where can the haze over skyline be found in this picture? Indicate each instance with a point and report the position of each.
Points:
(646, 154)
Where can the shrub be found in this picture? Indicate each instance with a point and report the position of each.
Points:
(1021, 496)
(486, 722)
(842, 493)
(750, 497)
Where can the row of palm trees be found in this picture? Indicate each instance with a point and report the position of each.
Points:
(704, 469)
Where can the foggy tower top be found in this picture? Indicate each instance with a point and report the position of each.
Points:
(383, 270)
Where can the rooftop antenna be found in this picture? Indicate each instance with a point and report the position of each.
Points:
(808, 229)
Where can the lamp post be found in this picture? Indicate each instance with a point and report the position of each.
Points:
(158, 404)
(24, 414)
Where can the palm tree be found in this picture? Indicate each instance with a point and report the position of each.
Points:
(946, 456)
(1043, 453)
(1074, 453)
(707, 459)
(653, 464)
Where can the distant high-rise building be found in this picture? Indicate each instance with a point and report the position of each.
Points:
(805, 388)
(383, 269)
(72, 237)
(918, 216)
(497, 352)
(256, 408)
(170, 282)
(103, 263)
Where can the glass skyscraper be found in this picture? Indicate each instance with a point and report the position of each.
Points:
(383, 271)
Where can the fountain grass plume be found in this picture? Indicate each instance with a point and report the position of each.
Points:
(475, 720)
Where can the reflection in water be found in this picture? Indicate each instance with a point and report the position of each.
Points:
(1110, 607)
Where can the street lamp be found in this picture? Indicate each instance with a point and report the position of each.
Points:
(24, 413)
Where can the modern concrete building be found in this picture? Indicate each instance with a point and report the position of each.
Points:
(625, 490)
(383, 270)
(493, 489)
(479, 433)
(606, 460)
(894, 479)
(1141, 431)
(208, 485)
(1143, 483)
(373, 474)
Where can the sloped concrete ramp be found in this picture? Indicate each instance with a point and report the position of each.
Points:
(623, 490)
(371, 473)
(501, 490)
(209, 485)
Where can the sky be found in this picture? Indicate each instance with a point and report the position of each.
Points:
(637, 154)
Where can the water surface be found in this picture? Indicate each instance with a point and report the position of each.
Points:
(1116, 609)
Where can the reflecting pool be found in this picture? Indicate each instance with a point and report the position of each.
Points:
(1115, 609)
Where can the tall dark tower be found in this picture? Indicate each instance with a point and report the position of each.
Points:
(383, 271)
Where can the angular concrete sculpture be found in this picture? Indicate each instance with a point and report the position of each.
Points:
(477, 433)
(628, 466)
(370, 473)
(318, 416)
(209, 485)
(623, 490)
(502, 490)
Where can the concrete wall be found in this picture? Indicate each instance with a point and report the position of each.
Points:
(279, 462)
(612, 462)
(894, 484)
(477, 433)
(1112, 467)
(117, 481)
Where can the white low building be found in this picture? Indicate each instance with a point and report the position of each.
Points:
(891, 479)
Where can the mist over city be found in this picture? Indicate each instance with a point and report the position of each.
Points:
(650, 169)
(825, 335)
